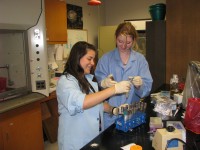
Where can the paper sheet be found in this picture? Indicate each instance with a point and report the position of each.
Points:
(54, 65)
(51, 53)
(51, 57)
(66, 51)
(59, 52)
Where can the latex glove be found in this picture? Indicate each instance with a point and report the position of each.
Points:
(108, 81)
(122, 87)
(137, 81)
(119, 110)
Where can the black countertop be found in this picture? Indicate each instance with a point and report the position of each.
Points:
(113, 139)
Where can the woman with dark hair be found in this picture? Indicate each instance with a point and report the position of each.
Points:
(80, 104)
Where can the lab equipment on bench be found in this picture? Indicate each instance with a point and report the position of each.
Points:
(155, 123)
(133, 115)
(178, 125)
(163, 106)
(167, 138)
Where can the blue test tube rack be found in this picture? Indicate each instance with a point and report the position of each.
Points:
(136, 119)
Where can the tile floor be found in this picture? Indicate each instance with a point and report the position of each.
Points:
(50, 146)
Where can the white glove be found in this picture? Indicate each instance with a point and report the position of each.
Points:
(119, 110)
(122, 87)
(108, 81)
(137, 81)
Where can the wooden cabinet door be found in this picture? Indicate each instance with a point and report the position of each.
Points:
(1, 138)
(182, 36)
(56, 21)
(22, 128)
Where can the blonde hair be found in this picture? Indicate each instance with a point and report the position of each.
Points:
(126, 28)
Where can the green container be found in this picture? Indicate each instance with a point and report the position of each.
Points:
(157, 11)
(161, 5)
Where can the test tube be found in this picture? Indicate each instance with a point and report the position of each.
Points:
(145, 106)
(125, 113)
(130, 78)
(141, 106)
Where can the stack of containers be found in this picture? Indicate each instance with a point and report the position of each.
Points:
(157, 11)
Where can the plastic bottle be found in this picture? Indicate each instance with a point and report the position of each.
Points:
(174, 85)
(51, 73)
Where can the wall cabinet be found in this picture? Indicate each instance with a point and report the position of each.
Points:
(56, 21)
(21, 128)
(156, 51)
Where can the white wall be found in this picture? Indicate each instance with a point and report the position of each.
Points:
(119, 10)
(111, 12)
(93, 17)
(20, 14)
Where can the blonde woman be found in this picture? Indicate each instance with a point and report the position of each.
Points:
(120, 64)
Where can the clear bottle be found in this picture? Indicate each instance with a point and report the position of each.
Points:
(130, 78)
(51, 73)
(174, 85)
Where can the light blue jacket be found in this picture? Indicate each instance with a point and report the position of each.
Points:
(77, 127)
(137, 65)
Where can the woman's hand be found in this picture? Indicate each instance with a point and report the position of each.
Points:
(122, 87)
(137, 81)
(108, 81)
